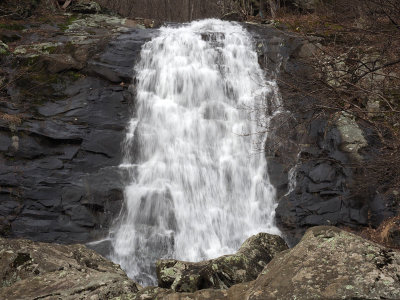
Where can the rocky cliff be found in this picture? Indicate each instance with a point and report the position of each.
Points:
(65, 104)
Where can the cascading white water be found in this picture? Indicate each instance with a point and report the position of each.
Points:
(197, 189)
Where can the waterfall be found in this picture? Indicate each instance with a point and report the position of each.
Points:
(197, 188)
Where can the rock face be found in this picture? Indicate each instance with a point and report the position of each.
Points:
(310, 158)
(328, 263)
(222, 272)
(32, 270)
(65, 118)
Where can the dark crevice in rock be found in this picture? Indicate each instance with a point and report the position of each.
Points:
(21, 259)
(385, 259)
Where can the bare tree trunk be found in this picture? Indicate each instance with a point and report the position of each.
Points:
(262, 8)
(274, 5)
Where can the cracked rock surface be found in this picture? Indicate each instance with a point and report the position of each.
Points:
(31, 270)
(67, 101)
(328, 263)
(224, 271)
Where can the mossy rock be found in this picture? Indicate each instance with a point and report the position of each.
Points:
(4, 48)
(222, 272)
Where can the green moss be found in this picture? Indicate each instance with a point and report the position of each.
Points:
(50, 49)
(44, 20)
(4, 52)
(4, 49)
(74, 75)
(68, 22)
(11, 26)
(32, 61)
(39, 87)
(69, 47)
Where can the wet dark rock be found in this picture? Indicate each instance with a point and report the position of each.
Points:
(61, 62)
(113, 64)
(233, 16)
(31, 270)
(222, 272)
(8, 36)
(59, 174)
(319, 152)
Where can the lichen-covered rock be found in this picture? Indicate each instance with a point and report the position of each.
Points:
(3, 48)
(330, 263)
(236, 292)
(30, 270)
(86, 7)
(352, 136)
(152, 292)
(222, 272)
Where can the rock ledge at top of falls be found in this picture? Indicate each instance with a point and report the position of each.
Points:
(328, 263)
(222, 272)
(32, 270)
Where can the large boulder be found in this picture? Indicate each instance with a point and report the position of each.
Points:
(86, 7)
(222, 272)
(31, 270)
(330, 263)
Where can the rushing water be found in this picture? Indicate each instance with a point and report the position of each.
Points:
(197, 188)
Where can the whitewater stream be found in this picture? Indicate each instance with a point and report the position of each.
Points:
(198, 187)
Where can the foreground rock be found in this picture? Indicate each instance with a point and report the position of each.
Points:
(32, 270)
(222, 272)
(328, 263)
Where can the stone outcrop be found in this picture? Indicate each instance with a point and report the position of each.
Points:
(68, 101)
(85, 7)
(312, 158)
(31, 270)
(328, 263)
(222, 272)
